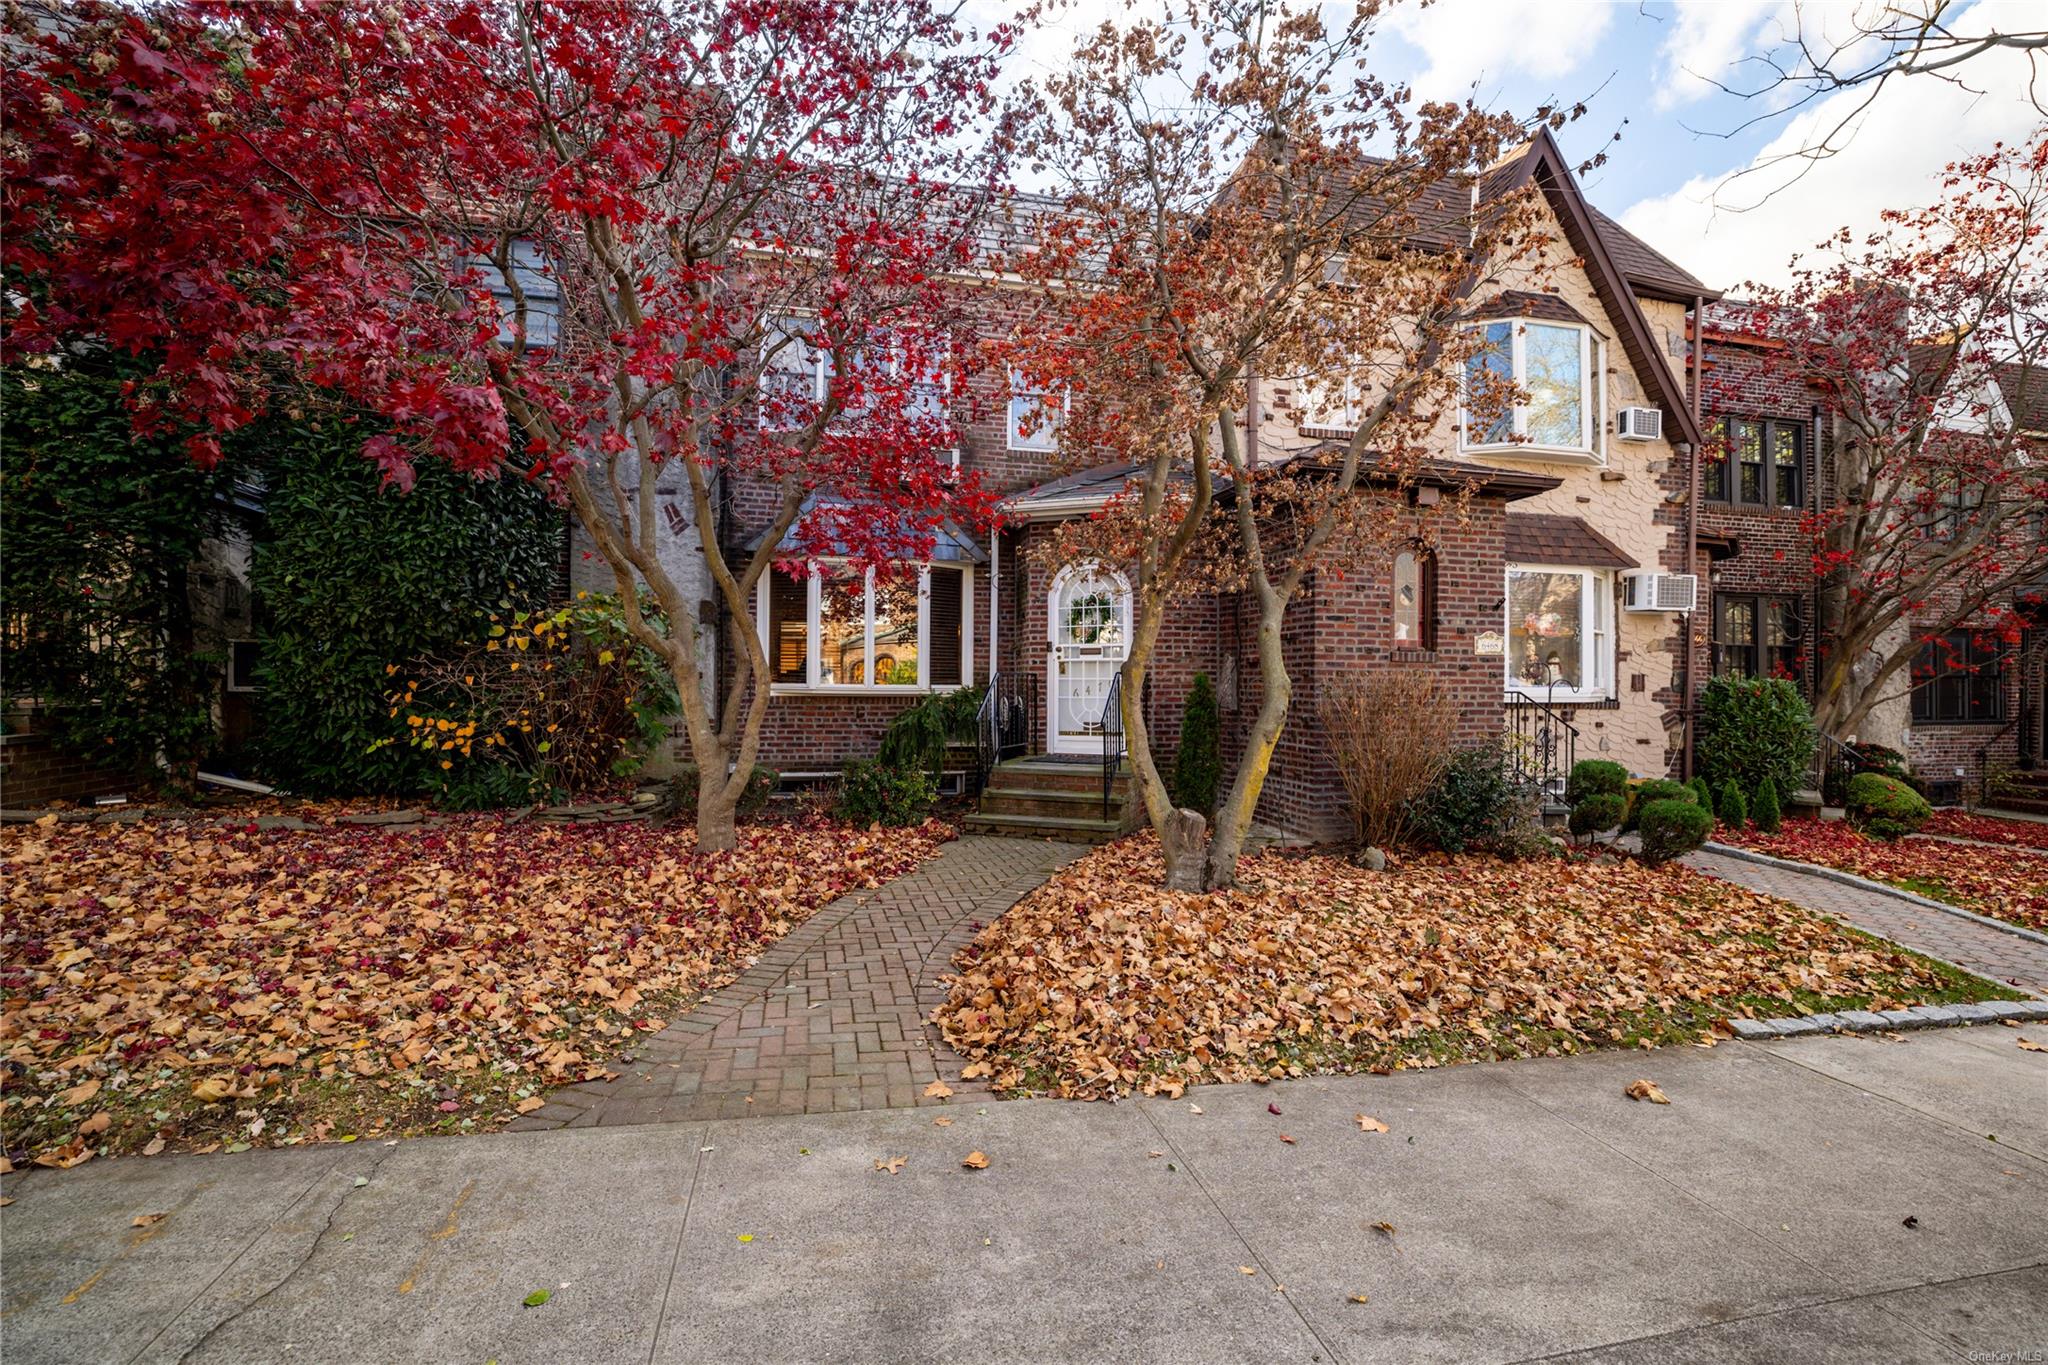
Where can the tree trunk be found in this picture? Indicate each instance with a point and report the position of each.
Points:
(1234, 814)
(716, 812)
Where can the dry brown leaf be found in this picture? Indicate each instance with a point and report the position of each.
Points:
(892, 1165)
(1646, 1090)
(937, 1090)
(942, 1123)
(143, 1220)
(1369, 1124)
(97, 1124)
(153, 1146)
(1385, 1229)
(212, 1090)
(1359, 1298)
(2031, 1046)
(1247, 1270)
(530, 1103)
(78, 1094)
(1286, 1139)
(975, 1161)
(5, 1200)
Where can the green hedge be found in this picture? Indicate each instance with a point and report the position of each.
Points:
(356, 578)
(1673, 828)
(1884, 806)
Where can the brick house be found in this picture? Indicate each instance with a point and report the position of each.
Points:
(1969, 709)
(1560, 601)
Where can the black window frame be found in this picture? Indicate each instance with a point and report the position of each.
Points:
(1726, 470)
(1763, 657)
(1953, 674)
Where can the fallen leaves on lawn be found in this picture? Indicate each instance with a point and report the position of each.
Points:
(1101, 983)
(975, 1161)
(892, 1165)
(186, 976)
(1646, 1090)
(2009, 884)
(1368, 1124)
(1988, 829)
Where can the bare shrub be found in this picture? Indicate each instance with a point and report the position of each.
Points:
(1392, 734)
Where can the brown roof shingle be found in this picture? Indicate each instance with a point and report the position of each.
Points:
(1545, 538)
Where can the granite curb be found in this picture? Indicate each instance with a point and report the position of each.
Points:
(1891, 1021)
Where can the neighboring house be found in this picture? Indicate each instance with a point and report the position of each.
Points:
(1555, 609)
(1972, 705)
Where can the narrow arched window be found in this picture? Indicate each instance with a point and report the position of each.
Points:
(1415, 600)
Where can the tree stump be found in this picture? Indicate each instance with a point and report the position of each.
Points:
(1183, 840)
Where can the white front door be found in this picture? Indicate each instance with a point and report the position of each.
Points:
(1089, 614)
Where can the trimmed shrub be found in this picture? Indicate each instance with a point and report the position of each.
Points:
(1731, 808)
(1766, 813)
(1751, 729)
(1198, 762)
(356, 578)
(1702, 793)
(1852, 759)
(1655, 789)
(1673, 828)
(1885, 807)
(760, 786)
(872, 793)
(1391, 735)
(1602, 810)
(1595, 777)
(1474, 803)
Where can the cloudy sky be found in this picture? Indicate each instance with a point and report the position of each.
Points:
(1644, 68)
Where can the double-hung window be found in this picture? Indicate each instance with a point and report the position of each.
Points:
(1560, 633)
(796, 372)
(1558, 368)
(1958, 679)
(1035, 414)
(842, 628)
(1756, 463)
(1757, 635)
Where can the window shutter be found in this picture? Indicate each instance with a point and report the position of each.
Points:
(789, 602)
(943, 630)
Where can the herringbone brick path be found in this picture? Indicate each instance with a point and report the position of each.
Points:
(1979, 948)
(833, 1015)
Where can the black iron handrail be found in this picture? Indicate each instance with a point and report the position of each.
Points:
(1004, 723)
(1113, 748)
(1543, 744)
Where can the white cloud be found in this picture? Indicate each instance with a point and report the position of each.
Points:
(1726, 233)
(1707, 41)
(1488, 41)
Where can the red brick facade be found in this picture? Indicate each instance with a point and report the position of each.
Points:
(34, 772)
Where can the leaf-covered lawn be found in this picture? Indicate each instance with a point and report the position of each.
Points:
(2005, 883)
(1099, 984)
(179, 985)
(1989, 829)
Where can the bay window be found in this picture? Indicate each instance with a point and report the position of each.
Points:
(1560, 633)
(1558, 367)
(844, 628)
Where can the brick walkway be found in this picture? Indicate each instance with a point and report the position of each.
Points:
(1986, 951)
(833, 1015)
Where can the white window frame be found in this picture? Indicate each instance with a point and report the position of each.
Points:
(813, 656)
(1050, 433)
(1598, 657)
(821, 368)
(1592, 396)
(1320, 413)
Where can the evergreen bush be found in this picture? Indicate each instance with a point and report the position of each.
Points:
(1732, 809)
(1751, 729)
(1198, 762)
(1673, 828)
(1766, 812)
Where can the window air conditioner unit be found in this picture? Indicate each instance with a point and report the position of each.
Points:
(1639, 424)
(1661, 592)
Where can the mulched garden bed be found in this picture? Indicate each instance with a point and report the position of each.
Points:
(1100, 984)
(2009, 884)
(181, 984)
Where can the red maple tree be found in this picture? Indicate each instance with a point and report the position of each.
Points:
(658, 255)
(1925, 344)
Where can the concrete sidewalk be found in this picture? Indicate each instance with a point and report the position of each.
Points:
(1535, 1213)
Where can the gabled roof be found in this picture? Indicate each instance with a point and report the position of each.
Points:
(1544, 164)
(1648, 269)
(1546, 538)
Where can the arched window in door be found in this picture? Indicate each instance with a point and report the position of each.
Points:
(1415, 599)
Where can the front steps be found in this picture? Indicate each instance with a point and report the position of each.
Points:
(2025, 791)
(1044, 798)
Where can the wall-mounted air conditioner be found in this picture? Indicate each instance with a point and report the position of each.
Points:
(1639, 424)
(1660, 592)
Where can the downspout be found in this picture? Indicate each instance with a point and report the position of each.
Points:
(1697, 382)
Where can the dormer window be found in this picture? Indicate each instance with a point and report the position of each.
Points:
(1557, 365)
